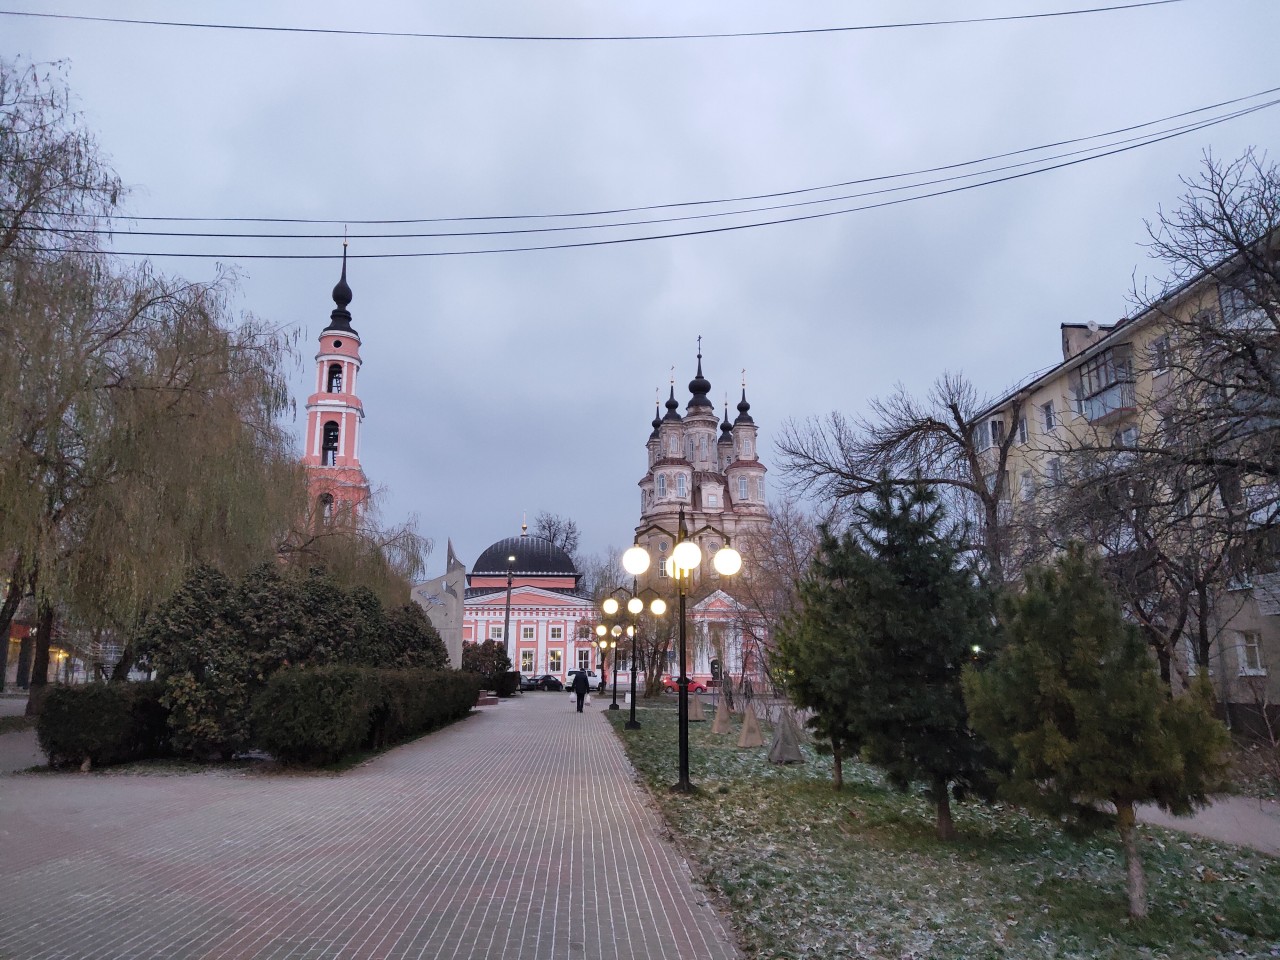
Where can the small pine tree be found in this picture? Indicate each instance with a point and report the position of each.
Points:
(889, 617)
(1074, 704)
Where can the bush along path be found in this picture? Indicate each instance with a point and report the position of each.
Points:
(806, 871)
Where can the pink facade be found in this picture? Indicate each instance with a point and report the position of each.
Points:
(336, 482)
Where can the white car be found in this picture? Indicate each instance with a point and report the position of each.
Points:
(593, 678)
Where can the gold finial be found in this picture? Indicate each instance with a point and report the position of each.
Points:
(524, 523)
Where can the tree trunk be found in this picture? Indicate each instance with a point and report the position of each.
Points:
(23, 679)
(946, 829)
(120, 673)
(12, 597)
(40, 661)
(1137, 880)
(838, 758)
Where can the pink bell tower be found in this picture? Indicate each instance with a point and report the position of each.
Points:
(336, 484)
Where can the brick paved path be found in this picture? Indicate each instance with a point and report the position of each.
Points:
(517, 833)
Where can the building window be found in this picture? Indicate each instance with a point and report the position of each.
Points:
(495, 631)
(1027, 486)
(662, 560)
(662, 485)
(681, 486)
(1047, 416)
(990, 433)
(742, 488)
(1106, 383)
(584, 659)
(1127, 437)
(329, 447)
(1159, 355)
(1055, 470)
(1241, 305)
(526, 633)
(688, 448)
(673, 445)
(1251, 664)
(746, 446)
(557, 633)
(760, 489)
(713, 500)
(1022, 429)
(335, 378)
(555, 660)
(326, 507)
(526, 661)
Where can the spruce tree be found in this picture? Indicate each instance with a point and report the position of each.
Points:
(890, 616)
(1074, 703)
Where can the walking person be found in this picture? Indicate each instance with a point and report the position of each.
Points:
(581, 686)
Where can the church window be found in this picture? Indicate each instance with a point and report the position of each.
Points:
(329, 448)
(673, 446)
(681, 486)
(555, 660)
(760, 488)
(742, 488)
(526, 633)
(335, 378)
(688, 449)
(713, 500)
(326, 507)
(662, 485)
(526, 661)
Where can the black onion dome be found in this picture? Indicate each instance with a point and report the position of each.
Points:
(340, 318)
(673, 407)
(535, 556)
(700, 386)
(726, 428)
(657, 422)
(743, 416)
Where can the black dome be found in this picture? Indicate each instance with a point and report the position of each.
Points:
(534, 556)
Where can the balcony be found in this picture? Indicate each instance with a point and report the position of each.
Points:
(1109, 403)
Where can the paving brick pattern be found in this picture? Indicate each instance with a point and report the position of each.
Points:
(517, 833)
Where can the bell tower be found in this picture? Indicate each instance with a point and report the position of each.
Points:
(336, 484)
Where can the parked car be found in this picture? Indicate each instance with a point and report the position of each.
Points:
(547, 681)
(528, 682)
(672, 685)
(593, 679)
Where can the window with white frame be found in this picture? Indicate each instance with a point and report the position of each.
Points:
(495, 631)
(681, 486)
(1127, 437)
(760, 488)
(584, 659)
(555, 660)
(1159, 355)
(557, 633)
(742, 488)
(1048, 416)
(1027, 486)
(1251, 664)
(688, 448)
(746, 446)
(990, 433)
(1055, 470)
(526, 633)
(526, 661)
(713, 500)
(1022, 429)
(662, 485)
(662, 560)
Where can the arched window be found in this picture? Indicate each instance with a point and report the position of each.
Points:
(681, 489)
(335, 378)
(329, 448)
(326, 507)
(662, 485)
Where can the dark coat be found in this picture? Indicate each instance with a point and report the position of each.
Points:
(581, 684)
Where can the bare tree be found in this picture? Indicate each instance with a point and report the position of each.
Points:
(561, 531)
(937, 440)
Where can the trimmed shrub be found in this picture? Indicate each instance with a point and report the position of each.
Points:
(508, 683)
(312, 716)
(103, 723)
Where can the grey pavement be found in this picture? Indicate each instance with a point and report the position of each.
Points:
(1244, 821)
(517, 833)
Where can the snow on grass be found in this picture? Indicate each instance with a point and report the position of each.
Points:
(806, 872)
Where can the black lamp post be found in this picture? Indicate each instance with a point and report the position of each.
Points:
(506, 620)
(635, 606)
(685, 557)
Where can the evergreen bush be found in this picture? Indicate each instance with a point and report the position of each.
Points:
(103, 723)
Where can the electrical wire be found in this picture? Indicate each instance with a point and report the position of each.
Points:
(1154, 138)
(741, 34)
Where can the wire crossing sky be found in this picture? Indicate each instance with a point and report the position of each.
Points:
(594, 39)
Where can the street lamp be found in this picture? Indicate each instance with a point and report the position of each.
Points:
(605, 645)
(635, 607)
(686, 555)
(506, 620)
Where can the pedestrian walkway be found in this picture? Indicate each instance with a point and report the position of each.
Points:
(518, 833)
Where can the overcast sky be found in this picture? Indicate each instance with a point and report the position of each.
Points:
(508, 382)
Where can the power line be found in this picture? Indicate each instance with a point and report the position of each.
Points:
(689, 233)
(647, 208)
(741, 34)
(515, 231)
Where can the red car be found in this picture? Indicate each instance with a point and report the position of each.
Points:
(672, 685)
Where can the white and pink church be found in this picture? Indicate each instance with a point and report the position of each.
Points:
(525, 591)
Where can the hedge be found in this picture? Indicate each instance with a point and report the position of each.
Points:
(104, 723)
(313, 716)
